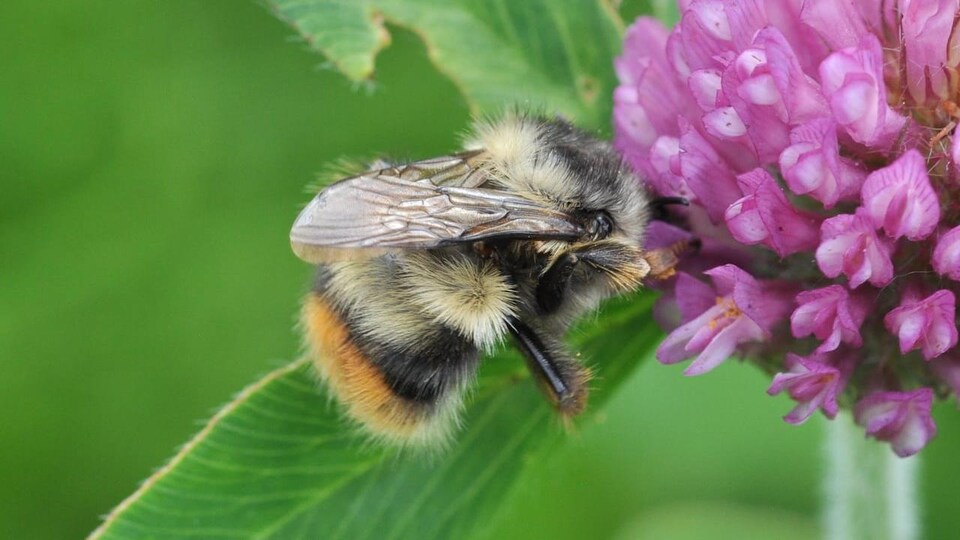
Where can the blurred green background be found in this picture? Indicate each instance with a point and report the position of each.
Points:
(153, 156)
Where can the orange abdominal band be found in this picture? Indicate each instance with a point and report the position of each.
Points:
(358, 384)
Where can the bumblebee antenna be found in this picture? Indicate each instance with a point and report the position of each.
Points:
(666, 201)
(660, 204)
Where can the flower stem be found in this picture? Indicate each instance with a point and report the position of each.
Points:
(868, 492)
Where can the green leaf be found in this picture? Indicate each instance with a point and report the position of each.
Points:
(664, 10)
(554, 55)
(699, 520)
(278, 462)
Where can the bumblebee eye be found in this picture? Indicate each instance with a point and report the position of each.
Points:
(601, 225)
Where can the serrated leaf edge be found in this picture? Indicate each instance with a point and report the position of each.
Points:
(374, 17)
(378, 19)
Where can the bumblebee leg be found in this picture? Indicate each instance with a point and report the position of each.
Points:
(622, 264)
(562, 378)
(553, 283)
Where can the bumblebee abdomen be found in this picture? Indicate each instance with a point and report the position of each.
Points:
(395, 389)
(352, 377)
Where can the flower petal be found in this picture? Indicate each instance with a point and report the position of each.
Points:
(926, 28)
(852, 80)
(693, 296)
(902, 418)
(801, 94)
(836, 21)
(664, 168)
(724, 123)
(812, 383)
(928, 323)
(706, 173)
(765, 216)
(831, 314)
(673, 348)
(946, 256)
(812, 164)
(749, 88)
(702, 36)
(765, 303)
(704, 84)
(650, 97)
(723, 344)
(850, 246)
(900, 199)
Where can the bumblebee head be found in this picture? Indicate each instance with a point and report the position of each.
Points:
(606, 192)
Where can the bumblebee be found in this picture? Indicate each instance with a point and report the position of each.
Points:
(423, 266)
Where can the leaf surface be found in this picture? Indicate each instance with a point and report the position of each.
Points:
(552, 55)
(279, 462)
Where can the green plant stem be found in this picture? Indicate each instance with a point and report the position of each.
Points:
(868, 492)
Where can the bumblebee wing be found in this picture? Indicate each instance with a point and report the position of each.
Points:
(463, 169)
(411, 207)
